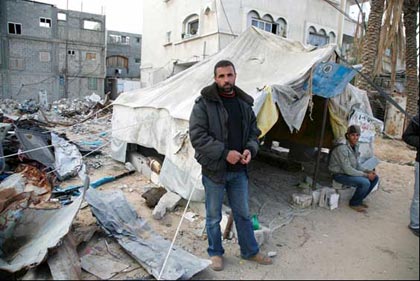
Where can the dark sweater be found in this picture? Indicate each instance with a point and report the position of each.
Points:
(235, 129)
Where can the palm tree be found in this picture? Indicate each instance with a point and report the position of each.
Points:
(411, 10)
(370, 42)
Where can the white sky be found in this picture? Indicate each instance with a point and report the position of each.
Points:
(121, 15)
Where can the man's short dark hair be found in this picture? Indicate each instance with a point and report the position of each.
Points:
(223, 63)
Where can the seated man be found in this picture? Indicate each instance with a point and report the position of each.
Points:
(346, 169)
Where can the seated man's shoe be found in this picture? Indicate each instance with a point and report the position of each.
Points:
(261, 259)
(364, 205)
(414, 230)
(359, 208)
(216, 263)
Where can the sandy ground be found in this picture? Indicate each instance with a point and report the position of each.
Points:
(316, 244)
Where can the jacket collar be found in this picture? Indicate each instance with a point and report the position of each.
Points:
(211, 93)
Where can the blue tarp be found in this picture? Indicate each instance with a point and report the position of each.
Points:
(330, 79)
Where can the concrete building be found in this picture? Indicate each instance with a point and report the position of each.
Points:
(123, 58)
(44, 49)
(179, 33)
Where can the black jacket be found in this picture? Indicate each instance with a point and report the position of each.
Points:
(411, 135)
(209, 135)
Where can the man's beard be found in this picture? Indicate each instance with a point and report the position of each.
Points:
(227, 88)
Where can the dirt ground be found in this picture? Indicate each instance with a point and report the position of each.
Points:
(314, 243)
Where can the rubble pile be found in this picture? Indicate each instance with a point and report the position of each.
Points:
(35, 161)
(73, 107)
(9, 107)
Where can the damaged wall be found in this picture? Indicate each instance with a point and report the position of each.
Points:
(60, 57)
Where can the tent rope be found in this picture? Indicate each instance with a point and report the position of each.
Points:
(176, 234)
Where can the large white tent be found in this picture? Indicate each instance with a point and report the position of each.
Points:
(267, 67)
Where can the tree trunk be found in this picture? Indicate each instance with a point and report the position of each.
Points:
(370, 44)
(411, 9)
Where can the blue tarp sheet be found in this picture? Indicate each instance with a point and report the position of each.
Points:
(330, 79)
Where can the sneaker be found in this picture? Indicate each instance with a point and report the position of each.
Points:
(364, 205)
(261, 259)
(414, 230)
(216, 263)
(359, 208)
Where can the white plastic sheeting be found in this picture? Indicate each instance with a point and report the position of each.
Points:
(158, 116)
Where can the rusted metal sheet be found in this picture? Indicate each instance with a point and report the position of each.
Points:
(36, 232)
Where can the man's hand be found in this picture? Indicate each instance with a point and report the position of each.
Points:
(233, 157)
(371, 175)
(246, 157)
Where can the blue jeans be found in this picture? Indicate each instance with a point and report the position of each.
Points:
(414, 209)
(237, 191)
(363, 186)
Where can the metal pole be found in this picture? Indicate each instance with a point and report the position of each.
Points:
(318, 157)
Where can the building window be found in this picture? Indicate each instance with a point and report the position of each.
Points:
(137, 39)
(15, 28)
(332, 37)
(91, 25)
(62, 16)
(71, 52)
(45, 22)
(92, 83)
(266, 23)
(117, 62)
(44, 56)
(317, 38)
(282, 27)
(119, 39)
(190, 26)
(90, 56)
(114, 38)
(16, 63)
(168, 36)
(125, 39)
(137, 60)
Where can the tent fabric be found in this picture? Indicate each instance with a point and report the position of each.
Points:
(157, 116)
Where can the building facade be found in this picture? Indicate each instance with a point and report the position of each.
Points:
(123, 58)
(179, 33)
(43, 49)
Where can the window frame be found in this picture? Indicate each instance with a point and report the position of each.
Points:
(264, 24)
(45, 22)
(41, 54)
(188, 26)
(90, 56)
(15, 24)
(314, 36)
(62, 13)
(93, 28)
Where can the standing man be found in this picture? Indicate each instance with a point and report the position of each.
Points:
(411, 137)
(346, 169)
(224, 134)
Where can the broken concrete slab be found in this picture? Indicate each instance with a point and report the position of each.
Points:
(118, 218)
(302, 200)
(167, 202)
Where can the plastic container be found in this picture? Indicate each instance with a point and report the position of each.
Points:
(255, 222)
